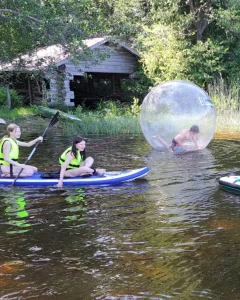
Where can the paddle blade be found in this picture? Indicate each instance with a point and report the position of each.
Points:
(55, 119)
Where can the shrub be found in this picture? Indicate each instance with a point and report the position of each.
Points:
(59, 105)
(16, 99)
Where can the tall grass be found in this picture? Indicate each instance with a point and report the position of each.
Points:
(226, 98)
(111, 126)
(16, 113)
(110, 118)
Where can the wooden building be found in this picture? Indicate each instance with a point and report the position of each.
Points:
(97, 78)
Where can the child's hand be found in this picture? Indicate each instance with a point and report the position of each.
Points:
(60, 183)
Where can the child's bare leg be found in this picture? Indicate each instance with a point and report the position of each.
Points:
(165, 144)
(88, 162)
(78, 172)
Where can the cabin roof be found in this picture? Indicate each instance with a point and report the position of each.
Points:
(54, 55)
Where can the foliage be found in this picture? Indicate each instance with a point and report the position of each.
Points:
(168, 55)
(16, 99)
(26, 25)
(60, 105)
(137, 86)
(196, 40)
(134, 109)
(162, 55)
(110, 108)
(205, 62)
(229, 22)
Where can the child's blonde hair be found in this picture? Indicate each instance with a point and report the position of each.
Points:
(11, 128)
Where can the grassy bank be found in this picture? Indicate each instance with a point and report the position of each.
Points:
(114, 118)
(110, 118)
(227, 124)
(226, 99)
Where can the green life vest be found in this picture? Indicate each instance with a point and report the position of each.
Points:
(75, 163)
(14, 152)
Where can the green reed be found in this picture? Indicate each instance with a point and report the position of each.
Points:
(104, 126)
(225, 96)
(226, 99)
(110, 117)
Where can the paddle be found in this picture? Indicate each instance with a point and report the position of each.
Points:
(53, 121)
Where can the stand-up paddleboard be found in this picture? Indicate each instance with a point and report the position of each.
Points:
(230, 182)
(108, 178)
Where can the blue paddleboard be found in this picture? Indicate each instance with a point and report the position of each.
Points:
(108, 178)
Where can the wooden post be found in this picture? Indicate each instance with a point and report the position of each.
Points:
(113, 84)
(8, 96)
(30, 91)
(44, 90)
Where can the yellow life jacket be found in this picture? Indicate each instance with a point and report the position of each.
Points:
(75, 163)
(14, 152)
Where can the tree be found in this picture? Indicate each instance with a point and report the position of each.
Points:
(167, 55)
(30, 24)
(229, 22)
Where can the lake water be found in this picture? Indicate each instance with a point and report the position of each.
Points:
(171, 235)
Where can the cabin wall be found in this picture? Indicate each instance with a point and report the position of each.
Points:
(108, 59)
(115, 60)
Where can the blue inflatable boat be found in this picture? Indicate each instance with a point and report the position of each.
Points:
(108, 178)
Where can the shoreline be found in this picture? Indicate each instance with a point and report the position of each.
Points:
(227, 136)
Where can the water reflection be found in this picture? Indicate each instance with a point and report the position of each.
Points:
(77, 207)
(173, 234)
(15, 211)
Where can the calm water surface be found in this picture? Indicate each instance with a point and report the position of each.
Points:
(172, 235)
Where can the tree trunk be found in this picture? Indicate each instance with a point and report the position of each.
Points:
(8, 96)
(202, 16)
(200, 26)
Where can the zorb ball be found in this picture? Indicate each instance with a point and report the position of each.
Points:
(173, 106)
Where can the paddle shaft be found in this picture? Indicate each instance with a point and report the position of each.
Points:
(33, 150)
(52, 122)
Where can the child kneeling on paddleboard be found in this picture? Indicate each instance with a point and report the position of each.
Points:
(74, 162)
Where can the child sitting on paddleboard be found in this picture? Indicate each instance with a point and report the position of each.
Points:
(74, 162)
(178, 141)
(9, 152)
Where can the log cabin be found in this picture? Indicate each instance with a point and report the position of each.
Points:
(96, 76)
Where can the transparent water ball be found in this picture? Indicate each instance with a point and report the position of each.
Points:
(173, 106)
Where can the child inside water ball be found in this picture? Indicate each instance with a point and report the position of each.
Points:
(177, 145)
